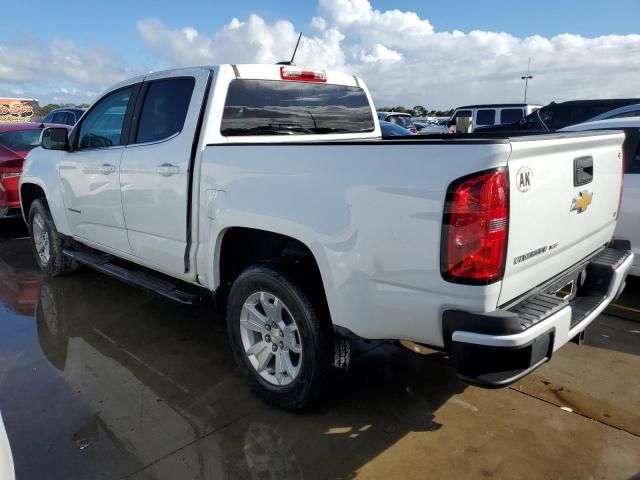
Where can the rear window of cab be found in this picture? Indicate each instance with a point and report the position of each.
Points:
(276, 107)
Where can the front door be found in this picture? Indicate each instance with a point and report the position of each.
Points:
(90, 173)
(155, 168)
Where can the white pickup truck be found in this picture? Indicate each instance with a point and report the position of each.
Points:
(270, 186)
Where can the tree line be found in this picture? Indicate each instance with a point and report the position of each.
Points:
(418, 111)
(42, 111)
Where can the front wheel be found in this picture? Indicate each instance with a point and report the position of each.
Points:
(46, 242)
(278, 337)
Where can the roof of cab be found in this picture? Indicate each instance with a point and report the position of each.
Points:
(500, 105)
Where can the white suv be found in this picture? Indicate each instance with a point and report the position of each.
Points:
(493, 114)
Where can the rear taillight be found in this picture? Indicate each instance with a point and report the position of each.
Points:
(302, 74)
(623, 167)
(474, 234)
(9, 175)
(11, 169)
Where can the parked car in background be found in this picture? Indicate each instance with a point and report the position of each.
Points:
(16, 141)
(629, 221)
(402, 119)
(555, 116)
(393, 130)
(492, 114)
(430, 128)
(622, 112)
(64, 116)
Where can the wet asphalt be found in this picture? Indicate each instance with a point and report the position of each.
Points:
(99, 380)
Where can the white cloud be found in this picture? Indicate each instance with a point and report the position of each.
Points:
(399, 54)
(318, 23)
(60, 72)
(405, 61)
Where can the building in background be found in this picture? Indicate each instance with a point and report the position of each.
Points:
(17, 110)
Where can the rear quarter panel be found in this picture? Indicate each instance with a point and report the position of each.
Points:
(371, 213)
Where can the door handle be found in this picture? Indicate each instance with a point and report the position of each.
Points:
(166, 170)
(106, 169)
(582, 171)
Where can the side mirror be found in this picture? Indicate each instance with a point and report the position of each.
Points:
(522, 123)
(55, 138)
(451, 123)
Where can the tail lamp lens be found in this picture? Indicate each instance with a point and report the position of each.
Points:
(474, 241)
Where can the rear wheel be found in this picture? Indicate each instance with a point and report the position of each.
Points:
(47, 243)
(278, 337)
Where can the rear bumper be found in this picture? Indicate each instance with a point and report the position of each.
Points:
(498, 348)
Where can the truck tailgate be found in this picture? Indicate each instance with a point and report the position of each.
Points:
(564, 194)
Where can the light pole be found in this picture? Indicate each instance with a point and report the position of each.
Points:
(526, 79)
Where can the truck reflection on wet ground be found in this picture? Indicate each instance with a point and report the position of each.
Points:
(101, 380)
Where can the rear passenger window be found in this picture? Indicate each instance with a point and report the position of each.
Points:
(486, 117)
(511, 115)
(165, 109)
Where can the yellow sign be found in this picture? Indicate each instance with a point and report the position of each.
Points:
(582, 201)
(16, 110)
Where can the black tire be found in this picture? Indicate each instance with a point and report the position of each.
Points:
(317, 358)
(57, 264)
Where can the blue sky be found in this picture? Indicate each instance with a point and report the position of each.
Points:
(70, 51)
(113, 22)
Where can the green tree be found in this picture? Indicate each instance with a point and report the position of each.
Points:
(419, 111)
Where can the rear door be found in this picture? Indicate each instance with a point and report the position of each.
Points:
(155, 171)
(564, 194)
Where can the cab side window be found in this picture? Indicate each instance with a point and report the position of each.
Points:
(165, 109)
(511, 115)
(102, 126)
(485, 117)
(461, 114)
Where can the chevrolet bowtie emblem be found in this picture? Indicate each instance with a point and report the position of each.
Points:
(582, 201)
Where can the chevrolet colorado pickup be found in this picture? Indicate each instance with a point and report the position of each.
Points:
(272, 187)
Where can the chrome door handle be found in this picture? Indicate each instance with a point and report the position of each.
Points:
(166, 170)
(106, 169)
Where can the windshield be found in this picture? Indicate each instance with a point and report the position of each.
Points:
(21, 140)
(268, 107)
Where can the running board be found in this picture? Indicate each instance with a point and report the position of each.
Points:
(138, 278)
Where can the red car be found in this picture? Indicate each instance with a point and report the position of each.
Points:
(16, 141)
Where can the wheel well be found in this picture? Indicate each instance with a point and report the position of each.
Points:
(242, 247)
(28, 193)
